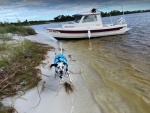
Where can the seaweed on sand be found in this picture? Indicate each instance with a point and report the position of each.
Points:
(69, 88)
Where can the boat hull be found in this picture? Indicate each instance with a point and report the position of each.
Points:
(59, 33)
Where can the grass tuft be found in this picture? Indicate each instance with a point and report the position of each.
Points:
(19, 67)
(4, 37)
(18, 70)
(6, 109)
(20, 30)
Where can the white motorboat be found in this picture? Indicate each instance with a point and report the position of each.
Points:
(88, 25)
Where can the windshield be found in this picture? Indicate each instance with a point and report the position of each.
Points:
(77, 19)
(89, 18)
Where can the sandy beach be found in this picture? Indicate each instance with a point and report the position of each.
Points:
(50, 96)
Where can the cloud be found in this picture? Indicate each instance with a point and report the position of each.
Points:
(48, 9)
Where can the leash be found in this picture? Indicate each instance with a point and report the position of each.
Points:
(60, 45)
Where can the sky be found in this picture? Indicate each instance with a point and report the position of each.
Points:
(32, 10)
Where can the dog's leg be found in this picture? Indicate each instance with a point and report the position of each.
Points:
(69, 77)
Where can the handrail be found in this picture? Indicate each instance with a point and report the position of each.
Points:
(109, 15)
(111, 4)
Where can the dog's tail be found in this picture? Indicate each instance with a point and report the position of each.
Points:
(60, 47)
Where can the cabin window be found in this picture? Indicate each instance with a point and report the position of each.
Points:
(77, 19)
(89, 18)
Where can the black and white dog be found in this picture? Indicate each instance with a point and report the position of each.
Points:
(61, 68)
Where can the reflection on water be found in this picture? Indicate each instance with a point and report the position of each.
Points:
(117, 68)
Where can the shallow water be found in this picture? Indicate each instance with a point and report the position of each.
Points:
(117, 68)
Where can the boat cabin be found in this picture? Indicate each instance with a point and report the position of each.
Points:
(88, 20)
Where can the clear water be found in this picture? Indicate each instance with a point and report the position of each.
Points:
(116, 69)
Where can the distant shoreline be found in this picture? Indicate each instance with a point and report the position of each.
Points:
(62, 18)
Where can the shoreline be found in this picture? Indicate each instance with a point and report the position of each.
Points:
(50, 96)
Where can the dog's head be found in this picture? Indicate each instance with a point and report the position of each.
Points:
(60, 68)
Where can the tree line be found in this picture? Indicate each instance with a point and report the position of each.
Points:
(61, 18)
